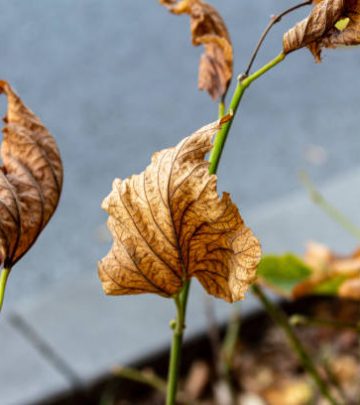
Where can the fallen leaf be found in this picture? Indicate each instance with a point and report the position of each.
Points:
(331, 23)
(330, 273)
(208, 29)
(30, 179)
(197, 380)
(289, 392)
(345, 368)
(169, 224)
(351, 289)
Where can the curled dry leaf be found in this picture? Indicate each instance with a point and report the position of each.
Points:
(321, 30)
(330, 273)
(208, 29)
(169, 224)
(30, 179)
(351, 289)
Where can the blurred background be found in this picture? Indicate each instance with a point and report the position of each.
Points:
(116, 80)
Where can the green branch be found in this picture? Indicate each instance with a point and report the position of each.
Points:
(329, 209)
(301, 320)
(178, 325)
(280, 318)
(243, 84)
(142, 377)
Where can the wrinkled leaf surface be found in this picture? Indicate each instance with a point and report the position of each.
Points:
(331, 23)
(208, 29)
(169, 224)
(30, 179)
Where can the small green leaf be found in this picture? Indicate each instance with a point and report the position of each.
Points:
(330, 286)
(283, 272)
(342, 24)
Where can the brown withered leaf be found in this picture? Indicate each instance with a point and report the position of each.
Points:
(208, 29)
(169, 224)
(322, 30)
(30, 179)
(331, 273)
(312, 29)
(348, 36)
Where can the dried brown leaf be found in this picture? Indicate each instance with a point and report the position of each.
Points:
(350, 35)
(169, 224)
(30, 179)
(208, 29)
(312, 29)
(320, 29)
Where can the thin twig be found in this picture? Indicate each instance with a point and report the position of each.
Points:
(282, 321)
(230, 340)
(301, 320)
(243, 84)
(46, 350)
(334, 380)
(213, 333)
(223, 352)
(149, 378)
(274, 20)
(329, 209)
(143, 377)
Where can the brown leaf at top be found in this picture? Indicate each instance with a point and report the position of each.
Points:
(169, 224)
(323, 27)
(30, 179)
(309, 31)
(348, 36)
(208, 29)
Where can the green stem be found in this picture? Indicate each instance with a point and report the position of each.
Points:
(280, 318)
(228, 353)
(3, 280)
(230, 340)
(274, 20)
(178, 327)
(222, 109)
(181, 300)
(242, 85)
(142, 377)
(330, 210)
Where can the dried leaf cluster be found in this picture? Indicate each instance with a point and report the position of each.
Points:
(169, 224)
(321, 30)
(208, 29)
(321, 272)
(330, 273)
(30, 179)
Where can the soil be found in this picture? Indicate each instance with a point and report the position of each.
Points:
(263, 369)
